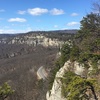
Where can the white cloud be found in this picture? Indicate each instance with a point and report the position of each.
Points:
(55, 26)
(21, 12)
(74, 14)
(1, 31)
(37, 11)
(28, 29)
(17, 20)
(7, 31)
(12, 31)
(2, 10)
(56, 11)
(72, 23)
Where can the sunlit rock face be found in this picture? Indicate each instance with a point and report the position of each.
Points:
(55, 92)
(33, 40)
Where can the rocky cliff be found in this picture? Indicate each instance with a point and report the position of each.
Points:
(77, 68)
(37, 38)
(25, 43)
(32, 40)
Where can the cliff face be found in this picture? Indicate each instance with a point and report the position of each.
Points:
(36, 40)
(33, 39)
(26, 43)
(79, 69)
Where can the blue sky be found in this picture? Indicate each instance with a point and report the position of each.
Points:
(31, 15)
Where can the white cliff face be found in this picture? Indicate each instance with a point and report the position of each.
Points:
(55, 92)
(3, 40)
(77, 68)
(34, 40)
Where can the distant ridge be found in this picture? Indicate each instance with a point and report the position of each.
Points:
(6, 35)
(71, 31)
(66, 31)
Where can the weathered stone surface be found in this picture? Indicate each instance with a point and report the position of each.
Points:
(55, 92)
(33, 40)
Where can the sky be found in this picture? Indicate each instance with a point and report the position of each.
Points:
(18, 16)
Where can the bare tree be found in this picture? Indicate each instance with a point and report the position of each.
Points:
(96, 7)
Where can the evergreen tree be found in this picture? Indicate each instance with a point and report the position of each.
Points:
(5, 91)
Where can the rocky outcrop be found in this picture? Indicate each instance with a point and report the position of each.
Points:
(27, 42)
(77, 68)
(33, 40)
